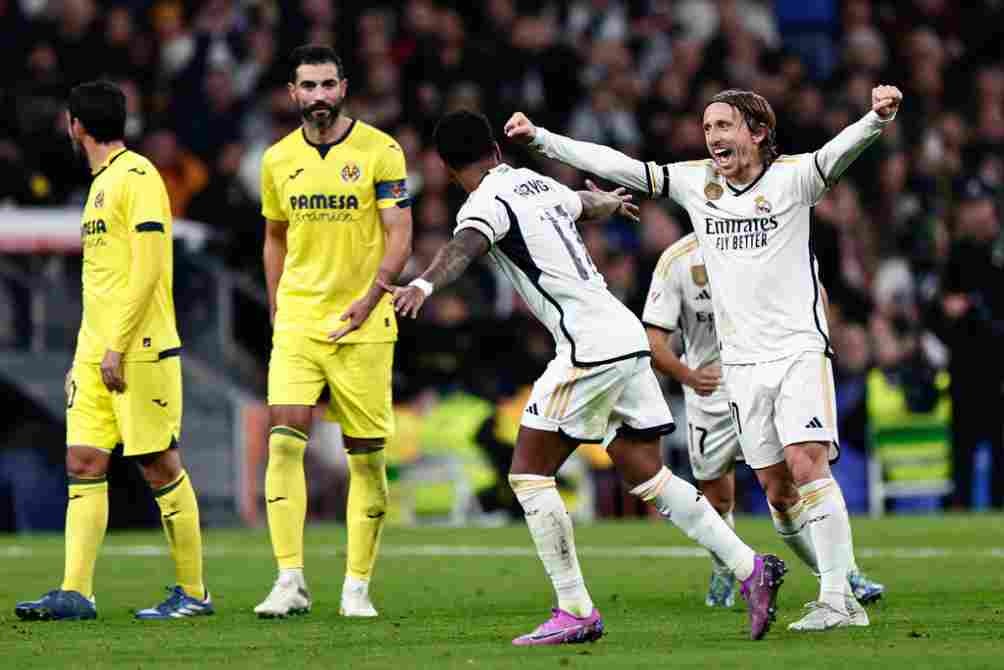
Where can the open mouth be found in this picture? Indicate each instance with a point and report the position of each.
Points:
(722, 156)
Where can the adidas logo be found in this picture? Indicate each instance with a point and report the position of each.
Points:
(704, 295)
(815, 423)
(532, 409)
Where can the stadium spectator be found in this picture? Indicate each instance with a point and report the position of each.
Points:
(203, 79)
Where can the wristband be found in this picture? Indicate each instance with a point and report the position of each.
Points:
(425, 286)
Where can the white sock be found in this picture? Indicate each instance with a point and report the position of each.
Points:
(717, 564)
(551, 530)
(291, 574)
(793, 527)
(681, 503)
(830, 528)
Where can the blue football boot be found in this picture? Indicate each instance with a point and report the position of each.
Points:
(721, 590)
(864, 589)
(57, 605)
(178, 605)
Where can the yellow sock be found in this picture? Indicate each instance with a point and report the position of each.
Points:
(179, 512)
(86, 521)
(366, 512)
(286, 495)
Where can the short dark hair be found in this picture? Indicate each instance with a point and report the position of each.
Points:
(463, 137)
(313, 54)
(101, 107)
(757, 113)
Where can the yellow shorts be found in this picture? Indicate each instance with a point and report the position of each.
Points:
(358, 375)
(145, 419)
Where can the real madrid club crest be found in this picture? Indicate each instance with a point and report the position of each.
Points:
(99, 199)
(762, 206)
(351, 172)
(699, 273)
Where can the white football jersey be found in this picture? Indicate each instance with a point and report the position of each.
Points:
(755, 240)
(679, 299)
(530, 221)
(756, 244)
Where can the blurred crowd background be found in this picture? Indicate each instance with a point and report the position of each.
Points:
(908, 242)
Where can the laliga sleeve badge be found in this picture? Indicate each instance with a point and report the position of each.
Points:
(713, 190)
(699, 273)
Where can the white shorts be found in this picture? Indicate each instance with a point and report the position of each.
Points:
(712, 441)
(782, 402)
(595, 404)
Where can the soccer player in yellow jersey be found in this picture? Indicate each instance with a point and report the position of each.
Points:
(338, 220)
(125, 383)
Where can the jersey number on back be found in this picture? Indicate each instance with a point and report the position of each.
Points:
(558, 217)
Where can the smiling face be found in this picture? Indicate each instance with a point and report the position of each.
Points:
(733, 147)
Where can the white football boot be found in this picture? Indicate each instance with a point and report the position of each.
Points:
(289, 596)
(857, 613)
(820, 616)
(356, 599)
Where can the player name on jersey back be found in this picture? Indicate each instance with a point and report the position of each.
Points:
(530, 220)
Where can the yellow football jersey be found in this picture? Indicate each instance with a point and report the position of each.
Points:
(128, 263)
(331, 196)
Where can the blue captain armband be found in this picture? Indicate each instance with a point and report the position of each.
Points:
(392, 190)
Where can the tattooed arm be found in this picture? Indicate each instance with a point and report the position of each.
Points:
(451, 261)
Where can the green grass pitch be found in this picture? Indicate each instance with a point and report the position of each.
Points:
(453, 598)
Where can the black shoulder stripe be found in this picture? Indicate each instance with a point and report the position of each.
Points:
(478, 218)
(815, 161)
(665, 181)
(150, 227)
(648, 180)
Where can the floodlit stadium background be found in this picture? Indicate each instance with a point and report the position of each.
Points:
(909, 241)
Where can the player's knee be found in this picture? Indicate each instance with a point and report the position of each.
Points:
(807, 462)
(296, 417)
(86, 463)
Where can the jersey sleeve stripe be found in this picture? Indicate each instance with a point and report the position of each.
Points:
(150, 227)
(648, 179)
(169, 353)
(665, 181)
(478, 218)
(819, 170)
(477, 229)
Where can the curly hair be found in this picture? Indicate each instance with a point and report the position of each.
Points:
(757, 113)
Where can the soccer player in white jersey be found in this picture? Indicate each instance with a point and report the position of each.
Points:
(598, 388)
(751, 210)
(680, 301)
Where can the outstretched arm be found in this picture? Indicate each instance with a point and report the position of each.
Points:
(595, 158)
(833, 159)
(451, 261)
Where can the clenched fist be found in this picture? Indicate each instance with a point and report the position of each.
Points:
(520, 129)
(885, 100)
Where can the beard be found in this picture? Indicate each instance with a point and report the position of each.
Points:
(322, 121)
